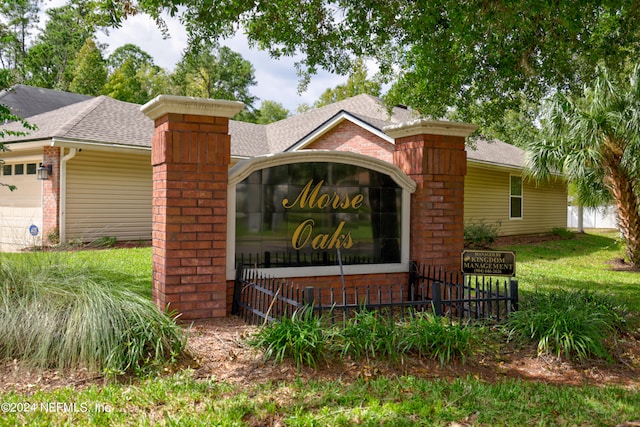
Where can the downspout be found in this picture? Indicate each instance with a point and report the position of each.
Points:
(63, 194)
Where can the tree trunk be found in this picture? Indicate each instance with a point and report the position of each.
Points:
(621, 185)
(580, 218)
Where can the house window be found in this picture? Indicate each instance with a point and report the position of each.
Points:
(515, 197)
(31, 168)
(6, 170)
(19, 169)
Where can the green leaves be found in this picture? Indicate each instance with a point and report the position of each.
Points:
(301, 338)
(208, 70)
(594, 141)
(62, 314)
(478, 58)
(367, 335)
(570, 323)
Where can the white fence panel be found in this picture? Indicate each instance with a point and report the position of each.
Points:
(601, 217)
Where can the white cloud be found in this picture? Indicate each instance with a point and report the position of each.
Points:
(277, 79)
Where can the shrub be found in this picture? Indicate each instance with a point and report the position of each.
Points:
(369, 334)
(59, 315)
(570, 323)
(301, 338)
(433, 336)
(480, 234)
(53, 237)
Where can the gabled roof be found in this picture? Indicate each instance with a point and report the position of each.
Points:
(26, 101)
(98, 120)
(335, 120)
(107, 121)
(285, 133)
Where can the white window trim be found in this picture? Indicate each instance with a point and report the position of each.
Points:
(521, 196)
(244, 169)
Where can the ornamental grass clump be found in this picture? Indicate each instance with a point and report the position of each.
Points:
(366, 335)
(58, 314)
(302, 338)
(575, 324)
(369, 334)
(435, 337)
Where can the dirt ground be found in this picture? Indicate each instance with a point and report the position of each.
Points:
(220, 351)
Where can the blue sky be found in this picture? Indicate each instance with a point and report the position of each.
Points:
(277, 79)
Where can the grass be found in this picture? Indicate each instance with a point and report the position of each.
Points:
(571, 266)
(60, 311)
(581, 263)
(573, 324)
(301, 338)
(401, 401)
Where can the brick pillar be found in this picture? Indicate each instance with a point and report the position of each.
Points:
(51, 196)
(190, 158)
(432, 153)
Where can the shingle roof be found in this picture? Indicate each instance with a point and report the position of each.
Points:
(26, 101)
(101, 119)
(285, 133)
(108, 121)
(496, 152)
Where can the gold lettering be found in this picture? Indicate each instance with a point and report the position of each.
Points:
(310, 196)
(337, 237)
(357, 201)
(304, 197)
(335, 204)
(302, 234)
(320, 241)
(323, 201)
(347, 243)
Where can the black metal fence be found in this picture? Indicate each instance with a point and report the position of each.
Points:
(464, 296)
(260, 299)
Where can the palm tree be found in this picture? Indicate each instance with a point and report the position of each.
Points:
(594, 140)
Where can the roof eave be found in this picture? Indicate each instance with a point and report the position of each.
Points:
(27, 145)
(99, 145)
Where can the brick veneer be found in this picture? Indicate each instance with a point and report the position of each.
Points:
(432, 153)
(190, 158)
(348, 136)
(51, 195)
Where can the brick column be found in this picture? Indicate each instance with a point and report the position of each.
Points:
(432, 153)
(51, 196)
(190, 158)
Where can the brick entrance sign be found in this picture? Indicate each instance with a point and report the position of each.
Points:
(191, 158)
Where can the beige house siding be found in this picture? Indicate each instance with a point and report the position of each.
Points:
(108, 194)
(544, 206)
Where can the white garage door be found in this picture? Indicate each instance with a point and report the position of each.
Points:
(20, 209)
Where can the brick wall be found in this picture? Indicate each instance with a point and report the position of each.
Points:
(190, 159)
(434, 157)
(347, 136)
(51, 195)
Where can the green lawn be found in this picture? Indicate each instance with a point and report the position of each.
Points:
(579, 263)
(179, 400)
